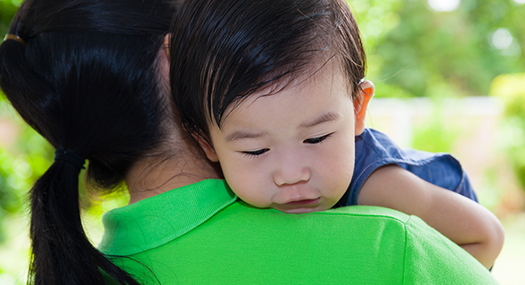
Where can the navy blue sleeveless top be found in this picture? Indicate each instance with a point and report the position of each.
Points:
(374, 149)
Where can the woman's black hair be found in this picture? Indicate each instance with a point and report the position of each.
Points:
(225, 50)
(84, 75)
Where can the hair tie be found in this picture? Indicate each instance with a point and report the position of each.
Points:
(14, 38)
(71, 157)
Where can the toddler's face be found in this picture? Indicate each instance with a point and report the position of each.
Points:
(292, 151)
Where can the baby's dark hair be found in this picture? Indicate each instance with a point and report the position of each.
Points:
(84, 74)
(224, 50)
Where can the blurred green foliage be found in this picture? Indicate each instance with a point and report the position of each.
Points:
(511, 89)
(7, 11)
(20, 165)
(433, 134)
(415, 51)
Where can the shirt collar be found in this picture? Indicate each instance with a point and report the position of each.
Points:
(154, 221)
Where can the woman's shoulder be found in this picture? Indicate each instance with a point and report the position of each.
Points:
(233, 242)
(242, 244)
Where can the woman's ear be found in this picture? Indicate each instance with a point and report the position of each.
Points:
(167, 39)
(206, 147)
(164, 63)
(365, 92)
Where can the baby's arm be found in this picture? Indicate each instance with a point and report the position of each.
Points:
(462, 220)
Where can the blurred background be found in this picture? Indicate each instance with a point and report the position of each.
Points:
(449, 76)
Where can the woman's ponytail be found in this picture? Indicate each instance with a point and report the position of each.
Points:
(61, 252)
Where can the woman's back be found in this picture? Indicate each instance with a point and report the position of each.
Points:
(201, 234)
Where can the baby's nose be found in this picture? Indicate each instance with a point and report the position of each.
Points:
(291, 171)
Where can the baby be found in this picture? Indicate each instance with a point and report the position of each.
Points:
(274, 93)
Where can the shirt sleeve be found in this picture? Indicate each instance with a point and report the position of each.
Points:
(374, 149)
(431, 258)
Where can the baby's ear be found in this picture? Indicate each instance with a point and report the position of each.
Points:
(206, 147)
(167, 42)
(365, 92)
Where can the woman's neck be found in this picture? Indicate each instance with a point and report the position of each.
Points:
(181, 163)
(157, 174)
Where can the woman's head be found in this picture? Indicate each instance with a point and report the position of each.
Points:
(85, 76)
(224, 51)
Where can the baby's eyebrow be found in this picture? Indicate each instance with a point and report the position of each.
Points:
(326, 117)
(238, 135)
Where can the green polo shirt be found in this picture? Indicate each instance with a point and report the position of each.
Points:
(202, 234)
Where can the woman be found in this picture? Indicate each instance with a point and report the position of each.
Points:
(91, 77)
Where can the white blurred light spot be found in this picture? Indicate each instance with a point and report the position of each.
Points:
(502, 38)
(22, 169)
(445, 5)
(513, 51)
(519, 2)
(7, 279)
(374, 28)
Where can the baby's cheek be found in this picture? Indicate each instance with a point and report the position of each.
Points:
(342, 160)
(247, 186)
(341, 168)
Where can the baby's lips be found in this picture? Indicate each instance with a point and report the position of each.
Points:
(304, 202)
(296, 193)
(301, 206)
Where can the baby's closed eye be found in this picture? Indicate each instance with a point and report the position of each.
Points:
(317, 139)
(255, 153)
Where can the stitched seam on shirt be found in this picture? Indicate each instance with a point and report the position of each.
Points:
(436, 156)
(364, 215)
(428, 160)
(404, 223)
(385, 161)
(405, 253)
